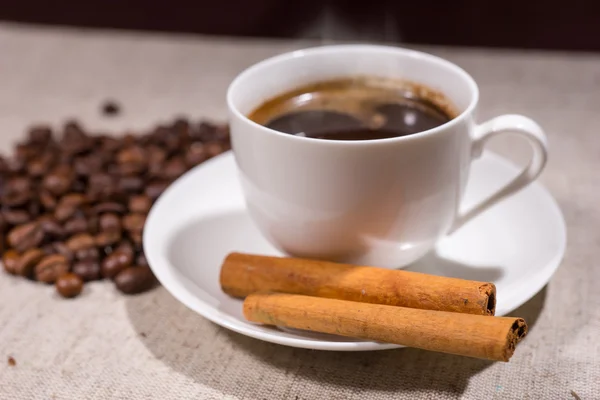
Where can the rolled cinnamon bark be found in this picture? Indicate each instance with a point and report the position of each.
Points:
(492, 338)
(243, 274)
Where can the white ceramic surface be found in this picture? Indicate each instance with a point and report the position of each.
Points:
(377, 202)
(518, 244)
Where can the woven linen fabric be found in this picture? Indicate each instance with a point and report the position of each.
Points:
(104, 345)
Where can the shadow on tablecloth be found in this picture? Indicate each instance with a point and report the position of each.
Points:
(236, 365)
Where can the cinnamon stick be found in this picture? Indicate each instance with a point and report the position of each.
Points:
(243, 274)
(492, 338)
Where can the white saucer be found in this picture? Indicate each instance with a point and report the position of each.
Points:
(518, 244)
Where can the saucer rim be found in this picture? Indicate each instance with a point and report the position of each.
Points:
(164, 272)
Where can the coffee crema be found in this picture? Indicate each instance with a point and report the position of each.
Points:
(356, 108)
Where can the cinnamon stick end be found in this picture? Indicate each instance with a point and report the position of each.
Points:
(254, 312)
(517, 332)
(488, 290)
(229, 276)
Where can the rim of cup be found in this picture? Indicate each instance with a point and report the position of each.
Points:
(239, 80)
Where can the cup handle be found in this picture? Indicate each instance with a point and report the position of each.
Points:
(509, 123)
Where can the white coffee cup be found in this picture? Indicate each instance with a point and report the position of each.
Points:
(379, 202)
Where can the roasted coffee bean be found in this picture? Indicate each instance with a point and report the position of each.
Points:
(166, 138)
(64, 159)
(17, 192)
(205, 132)
(73, 131)
(77, 147)
(64, 169)
(100, 179)
(101, 186)
(141, 260)
(76, 225)
(156, 155)
(39, 166)
(222, 133)
(173, 144)
(128, 140)
(25, 151)
(88, 165)
(69, 285)
(132, 160)
(181, 126)
(3, 166)
(133, 280)
(110, 207)
(10, 260)
(195, 154)
(159, 133)
(214, 149)
(74, 198)
(40, 134)
(115, 262)
(127, 247)
(26, 236)
(51, 227)
(15, 216)
(155, 189)
(134, 222)
(51, 267)
(174, 168)
(110, 222)
(64, 211)
(108, 238)
(80, 241)
(156, 171)
(110, 108)
(57, 183)
(145, 141)
(28, 261)
(109, 144)
(91, 253)
(62, 249)
(136, 239)
(15, 165)
(127, 169)
(88, 269)
(68, 205)
(48, 200)
(140, 204)
(131, 184)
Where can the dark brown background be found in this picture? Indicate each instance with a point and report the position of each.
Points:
(572, 25)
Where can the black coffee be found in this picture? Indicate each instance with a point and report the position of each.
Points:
(360, 108)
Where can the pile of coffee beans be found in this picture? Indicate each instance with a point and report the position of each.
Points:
(74, 203)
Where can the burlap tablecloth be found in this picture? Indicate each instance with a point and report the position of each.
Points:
(105, 345)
